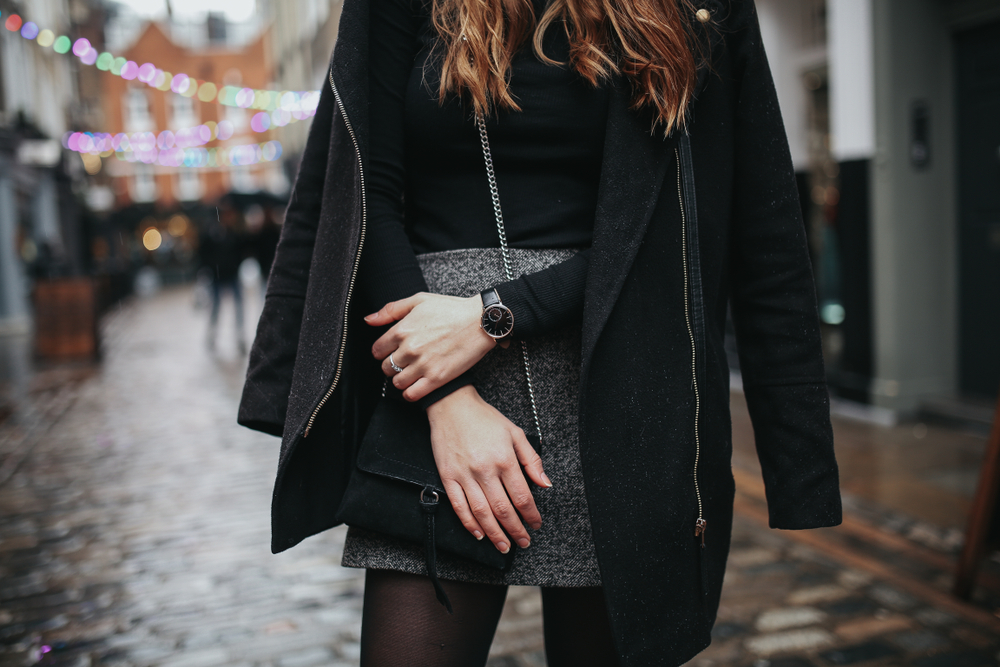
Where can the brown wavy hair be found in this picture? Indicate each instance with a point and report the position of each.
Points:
(651, 42)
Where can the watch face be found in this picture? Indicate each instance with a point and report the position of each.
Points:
(498, 321)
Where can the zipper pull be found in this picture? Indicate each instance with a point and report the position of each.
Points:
(699, 529)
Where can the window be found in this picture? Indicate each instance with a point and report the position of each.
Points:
(137, 115)
(143, 183)
(815, 27)
(188, 186)
(242, 180)
(238, 117)
(182, 112)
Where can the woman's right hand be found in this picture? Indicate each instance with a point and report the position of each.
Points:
(479, 454)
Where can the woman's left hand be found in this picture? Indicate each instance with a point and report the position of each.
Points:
(436, 338)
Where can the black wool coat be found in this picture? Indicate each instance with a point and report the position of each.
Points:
(684, 226)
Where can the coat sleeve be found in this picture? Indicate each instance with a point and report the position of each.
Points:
(272, 357)
(773, 301)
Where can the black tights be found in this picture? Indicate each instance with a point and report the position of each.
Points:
(403, 624)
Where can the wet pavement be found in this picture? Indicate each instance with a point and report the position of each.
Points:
(134, 532)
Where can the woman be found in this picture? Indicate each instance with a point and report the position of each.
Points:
(646, 183)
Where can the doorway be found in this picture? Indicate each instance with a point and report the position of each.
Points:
(978, 89)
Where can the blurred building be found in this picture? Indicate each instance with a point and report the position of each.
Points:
(893, 114)
(39, 221)
(206, 52)
(301, 41)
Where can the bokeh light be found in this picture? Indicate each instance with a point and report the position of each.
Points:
(151, 239)
(178, 225)
(130, 70)
(165, 140)
(244, 98)
(91, 163)
(29, 30)
(180, 83)
(13, 23)
(280, 117)
(260, 122)
(207, 92)
(81, 46)
(46, 38)
(271, 151)
(62, 44)
(104, 61)
(146, 72)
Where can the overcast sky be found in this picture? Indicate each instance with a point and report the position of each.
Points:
(235, 10)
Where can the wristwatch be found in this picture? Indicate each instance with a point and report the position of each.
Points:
(497, 320)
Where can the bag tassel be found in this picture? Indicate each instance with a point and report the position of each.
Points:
(429, 504)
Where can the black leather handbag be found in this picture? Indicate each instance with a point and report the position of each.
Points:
(396, 489)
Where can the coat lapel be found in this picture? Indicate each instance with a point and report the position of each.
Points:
(632, 173)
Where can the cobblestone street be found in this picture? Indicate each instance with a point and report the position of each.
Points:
(134, 532)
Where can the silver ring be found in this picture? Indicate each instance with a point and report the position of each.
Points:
(394, 366)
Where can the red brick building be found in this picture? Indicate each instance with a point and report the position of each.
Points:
(132, 106)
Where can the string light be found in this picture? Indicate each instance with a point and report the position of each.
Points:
(292, 105)
(199, 135)
(183, 148)
(13, 23)
(226, 156)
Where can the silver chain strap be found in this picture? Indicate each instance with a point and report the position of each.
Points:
(505, 253)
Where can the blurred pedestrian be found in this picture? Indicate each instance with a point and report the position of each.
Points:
(222, 249)
(637, 151)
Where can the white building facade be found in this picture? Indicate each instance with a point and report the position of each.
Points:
(893, 114)
(37, 94)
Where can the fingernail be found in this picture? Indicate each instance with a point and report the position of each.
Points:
(524, 542)
(477, 534)
(548, 482)
(368, 317)
(503, 547)
(536, 526)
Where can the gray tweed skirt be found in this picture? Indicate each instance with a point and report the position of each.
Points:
(562, 550)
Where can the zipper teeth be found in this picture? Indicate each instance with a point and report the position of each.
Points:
(687, 319)
(357, 260)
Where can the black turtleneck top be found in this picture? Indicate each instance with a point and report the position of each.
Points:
(427, 184)
(426, 178)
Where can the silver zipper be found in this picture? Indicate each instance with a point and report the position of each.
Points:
(357, 260)
(700, 524)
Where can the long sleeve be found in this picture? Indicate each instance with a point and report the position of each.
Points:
(549, 299)
(389, 269)
(774, 308)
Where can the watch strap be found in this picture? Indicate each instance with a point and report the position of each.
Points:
(490, 297)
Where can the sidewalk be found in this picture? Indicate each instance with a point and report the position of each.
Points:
(134, 532)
